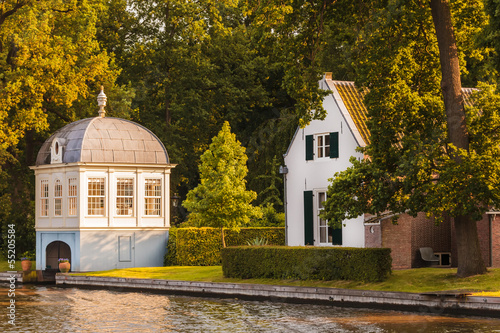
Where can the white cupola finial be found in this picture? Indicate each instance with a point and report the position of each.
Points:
(101, 101)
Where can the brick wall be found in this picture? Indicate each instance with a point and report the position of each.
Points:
(373, 235)
(410, 234)
(425, 233)
(495, 240)
(483, 231)
(397, 238)
(407, 237)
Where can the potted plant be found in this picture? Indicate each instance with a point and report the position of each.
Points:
(26, 259)
(26, 263)
(64, 265)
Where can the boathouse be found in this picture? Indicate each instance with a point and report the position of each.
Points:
(102, 195)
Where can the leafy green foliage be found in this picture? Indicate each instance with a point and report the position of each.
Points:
(170, 258)
(270, 218)
(221, 199)
(50, 62)
(412, 166)
(307, 263)
(423, 155)
(202, 246)
(271, 194)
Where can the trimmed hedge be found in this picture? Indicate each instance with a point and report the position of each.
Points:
(170, 258)
(307, 263)
(202, 246)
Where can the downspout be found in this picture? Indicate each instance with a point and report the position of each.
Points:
(284, 171)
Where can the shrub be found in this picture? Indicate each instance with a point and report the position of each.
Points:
(270, 218)
(304, 263)
(257, 242)
(170, 258)
(202, 246)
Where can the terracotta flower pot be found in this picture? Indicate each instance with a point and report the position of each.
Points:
(64, 267)
(26, 265)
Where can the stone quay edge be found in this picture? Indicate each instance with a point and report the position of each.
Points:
(452, 303)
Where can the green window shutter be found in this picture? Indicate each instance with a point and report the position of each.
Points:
(337, 236)
(308, 218)
(309, 147)
(334, 145)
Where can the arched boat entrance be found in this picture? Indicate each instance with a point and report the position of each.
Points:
(54, 251)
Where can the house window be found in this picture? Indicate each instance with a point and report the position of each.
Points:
(96, 196)
(44, 198)
(323, 146)
(152, 197)
(58, 198)
(125, 196)
(325, 232)
(72, 195)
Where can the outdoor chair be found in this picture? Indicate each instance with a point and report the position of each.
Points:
(428, 255)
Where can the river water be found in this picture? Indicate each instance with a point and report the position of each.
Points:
(51, 309)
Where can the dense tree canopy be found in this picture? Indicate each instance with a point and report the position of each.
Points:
(49, 59)
(182, 68)
(423, 156)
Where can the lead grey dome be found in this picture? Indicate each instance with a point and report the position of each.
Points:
(105, 140)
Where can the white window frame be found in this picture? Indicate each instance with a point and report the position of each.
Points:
(325, 232)
(44, 197)
(58, 197)
(95, 196)
(72, 196)
(153, 197)
(125, 196)
(322, 149)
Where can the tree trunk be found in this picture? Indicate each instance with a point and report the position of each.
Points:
(222, 236)
(450, 69)
(470, 261)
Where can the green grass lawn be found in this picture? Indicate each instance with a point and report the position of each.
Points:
(411, 280)
(4, 265)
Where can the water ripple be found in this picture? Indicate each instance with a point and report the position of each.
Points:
(51, 309)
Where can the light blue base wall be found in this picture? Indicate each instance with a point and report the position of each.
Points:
(107, 249)
(44, 238)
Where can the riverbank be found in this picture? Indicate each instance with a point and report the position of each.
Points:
(448, 302)
(418, 280)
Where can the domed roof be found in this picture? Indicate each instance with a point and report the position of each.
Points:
(103, 140)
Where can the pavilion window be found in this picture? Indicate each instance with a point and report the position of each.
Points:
(152, 197)
(44, 198)
(72, 196)
(125, 196)
(58, 198)
(96, 196)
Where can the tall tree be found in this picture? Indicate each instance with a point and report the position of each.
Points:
(421, 156)
(194, 65)
(50, 61)
(221, 199)
(469, 252)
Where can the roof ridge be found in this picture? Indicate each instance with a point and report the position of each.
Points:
(353, 100)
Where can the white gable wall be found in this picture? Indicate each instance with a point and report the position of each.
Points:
(313, 175)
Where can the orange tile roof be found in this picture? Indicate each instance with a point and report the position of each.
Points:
(353, 100)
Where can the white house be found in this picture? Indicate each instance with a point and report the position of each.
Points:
(102, 195)
(314, 155)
